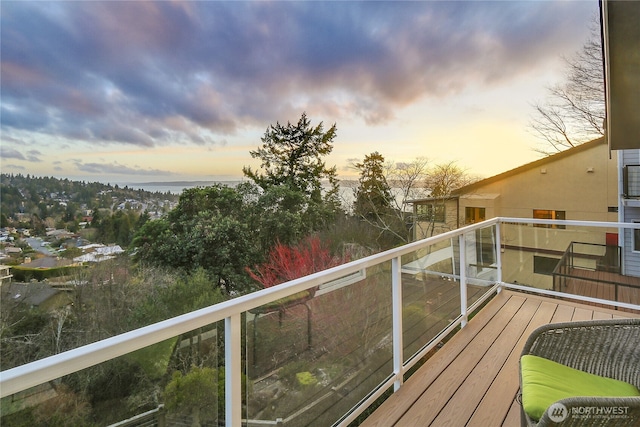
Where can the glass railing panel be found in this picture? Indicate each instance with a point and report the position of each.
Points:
(178, 381)
(310, 361)
(431, 294)
(105, 300)
(481, 261)
(579, 260)
(531, 253)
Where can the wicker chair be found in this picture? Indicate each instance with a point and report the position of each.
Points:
(609, 348)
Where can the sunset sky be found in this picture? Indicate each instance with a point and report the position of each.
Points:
(127, 92)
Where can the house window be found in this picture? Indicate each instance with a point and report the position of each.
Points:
(548, 214)
(432, 212)
(473, 215)
(544, 265)
(631, 181)
(636, 238)
(485, 247)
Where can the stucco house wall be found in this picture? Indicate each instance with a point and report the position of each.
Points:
(582, 182)
(577, 184)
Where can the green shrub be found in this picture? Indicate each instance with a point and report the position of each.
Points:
(25, 274)
(288, 373)
(306, 379)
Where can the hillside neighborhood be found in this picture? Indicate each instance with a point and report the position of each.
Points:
(587, 188)
(49, 228)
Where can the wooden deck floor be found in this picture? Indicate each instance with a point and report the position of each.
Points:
(602, 284)
(473, 379)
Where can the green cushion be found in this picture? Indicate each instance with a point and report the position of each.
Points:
(545, 382)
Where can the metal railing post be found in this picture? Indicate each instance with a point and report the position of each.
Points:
(233, 370)
(463, 279)
(396, 301)
(499, 255)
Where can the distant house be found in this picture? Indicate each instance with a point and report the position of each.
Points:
(5, 235)
(5, 275)
(60, 234)
(46, 262)
(36, 295)
(578, 184)
(97, 253)
(581, 183)
(9, 250)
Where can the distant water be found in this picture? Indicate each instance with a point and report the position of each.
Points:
(345, 191)
(177, 187)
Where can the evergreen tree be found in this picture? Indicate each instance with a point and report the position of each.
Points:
(292, 156)
(373, 195)
(208, 229)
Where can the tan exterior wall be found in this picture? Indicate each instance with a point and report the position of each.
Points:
(584, 185)
(582, 182)
(424, 229)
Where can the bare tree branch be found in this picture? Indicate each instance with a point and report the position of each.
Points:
(574, 111)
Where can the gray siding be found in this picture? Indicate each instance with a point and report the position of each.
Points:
(631, 259)
(631, 157)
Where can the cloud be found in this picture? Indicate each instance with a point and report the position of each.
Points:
(14, 167)
(116, 168)
(34, 156)
(158, 73)
(12, 153)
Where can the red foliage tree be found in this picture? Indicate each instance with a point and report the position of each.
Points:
(292, 262)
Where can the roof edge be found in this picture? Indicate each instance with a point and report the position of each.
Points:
(528, 166)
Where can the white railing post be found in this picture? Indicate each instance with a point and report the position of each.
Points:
(463, 279)
(396, 309)
(233, 370)
(499, 255)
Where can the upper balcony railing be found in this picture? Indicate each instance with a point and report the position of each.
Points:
(631, 181)
(319, 350)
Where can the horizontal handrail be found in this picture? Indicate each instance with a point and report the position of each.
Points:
(591, 224)
(47, 369)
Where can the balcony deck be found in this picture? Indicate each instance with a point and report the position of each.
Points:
(473, 379)
(602, 284)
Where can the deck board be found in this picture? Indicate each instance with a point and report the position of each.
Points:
(513, 416)
(473, 379)
(581, 313)
(601, 316)
(397, 405)
(467, 398)
(563, 313)
(501, 395)
(602, 284)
